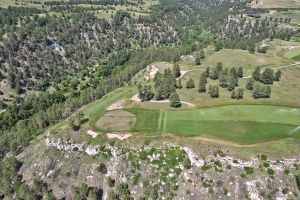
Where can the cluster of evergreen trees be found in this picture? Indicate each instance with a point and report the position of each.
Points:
(165, 86)
(31, 59)
(228, 78)
(267, 76)
(145, 92)
(261, 91)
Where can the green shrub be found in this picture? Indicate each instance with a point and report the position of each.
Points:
(146, 183)
(270, 171)
(263, 157)
(243, 175)
(187, 163)
(68, 174)
(102, 168)
(110, 182)
(287, 171)
(266, 165)
(285, 190)
(249, 170)
(206, 167)
(297, 177)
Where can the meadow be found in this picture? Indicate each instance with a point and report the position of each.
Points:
(293, 14)
(275, 4)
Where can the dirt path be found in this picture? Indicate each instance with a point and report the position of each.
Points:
(167, 101)
(184, 72)
(276, 68)
(290, 47)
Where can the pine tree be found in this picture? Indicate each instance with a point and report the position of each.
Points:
(18, 88)
(239, 93)
(240, 72)
(190, 83)
(219, 66)
(198, 60)
(207, 72)
(202, 83)
(218, 46)
(267, 77)
(146, 93)
(203, 77)
(174, 100)
(277, 75)
(266, 91)
(176, 70)
(202, 54)
(233, 72)
(256, 74)
(231, 84)
(214, 75)
(250, 83)
(251, 48)
(223, 79)
(1, 76)
(233, 94)
(202, 87)
(256, 91)
(214, 93)
(179, 85)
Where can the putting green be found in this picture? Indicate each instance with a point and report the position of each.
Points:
(239, 123)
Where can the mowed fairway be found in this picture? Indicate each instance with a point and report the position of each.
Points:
(293, 54)
(245, 124)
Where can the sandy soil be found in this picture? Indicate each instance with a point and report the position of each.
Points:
(92, 133)
(116, 106)
(152, 70)
(184, 72)
(118, 136)
(136, 98)
(290, 47)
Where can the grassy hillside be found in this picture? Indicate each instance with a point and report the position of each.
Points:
(275, 4)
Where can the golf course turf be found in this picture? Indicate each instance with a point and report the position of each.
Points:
(244, 124)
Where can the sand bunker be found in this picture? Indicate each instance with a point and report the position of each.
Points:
(118, 136)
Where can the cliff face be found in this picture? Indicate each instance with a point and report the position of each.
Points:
(157, 170)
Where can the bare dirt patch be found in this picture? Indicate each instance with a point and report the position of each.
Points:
(152, 69)
(136, 98)
(116, 106)
(118, 136)
(92, 133)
